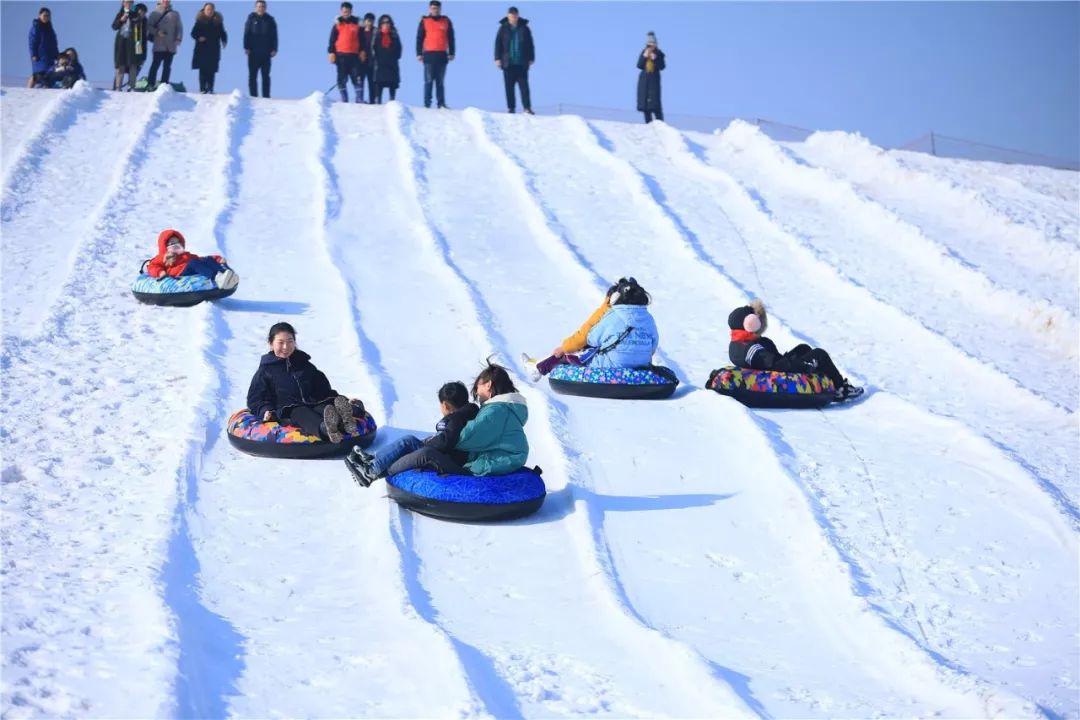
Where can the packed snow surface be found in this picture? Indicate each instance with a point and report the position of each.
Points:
(912, 554)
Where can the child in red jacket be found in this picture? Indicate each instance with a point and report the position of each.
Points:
(173, 260)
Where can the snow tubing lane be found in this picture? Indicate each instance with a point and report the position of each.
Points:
(767, 389)
(183, 291)
(272, 439)
(468, 498)
(654, 383)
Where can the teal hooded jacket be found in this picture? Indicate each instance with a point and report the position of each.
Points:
(495, 438)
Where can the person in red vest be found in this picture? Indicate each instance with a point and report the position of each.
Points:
(344, 51)
(435, 48)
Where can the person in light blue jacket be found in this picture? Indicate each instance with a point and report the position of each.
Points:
(626, 335)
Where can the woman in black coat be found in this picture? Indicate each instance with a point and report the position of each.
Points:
(385, 52)
(210, 37)
(650, 63)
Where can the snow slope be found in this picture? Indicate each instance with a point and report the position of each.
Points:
(913, 554)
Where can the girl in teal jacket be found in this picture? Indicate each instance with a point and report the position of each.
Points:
(495, 438)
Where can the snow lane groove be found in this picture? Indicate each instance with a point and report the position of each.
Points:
(210, 650)
(711, 202)
(444, 203)
(1009, 254)
(565, 182)
(1033, 343)
(560, 247)
(315, 632)
(941, 364)
(104, 561)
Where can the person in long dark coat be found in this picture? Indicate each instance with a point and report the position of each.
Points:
(210, 37)
(650, 63)
(515, 53)
(43, 47)
(385, 55)
(129, 47)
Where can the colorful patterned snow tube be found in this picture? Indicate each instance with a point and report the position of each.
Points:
(652, 383)
(271, 439)
(466, 498)
(767, 389)
(183, 291)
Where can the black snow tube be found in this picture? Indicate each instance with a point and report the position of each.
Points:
(651, 383)
(271, 439)
(467, 498)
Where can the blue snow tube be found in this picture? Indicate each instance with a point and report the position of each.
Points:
(620, 383)
(468, 498)
(183, 291)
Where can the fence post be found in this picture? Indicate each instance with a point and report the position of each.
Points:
(933, 146)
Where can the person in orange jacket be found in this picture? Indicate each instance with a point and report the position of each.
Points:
(345, 51)
(563, 354)
(173, 260)
(435, 48)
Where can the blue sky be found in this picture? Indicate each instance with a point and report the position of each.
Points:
(1004, 73)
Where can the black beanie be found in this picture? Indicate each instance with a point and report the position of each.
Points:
(369, 16)
(735, 319)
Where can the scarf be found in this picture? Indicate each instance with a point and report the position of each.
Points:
(743, 336)
(385, 37)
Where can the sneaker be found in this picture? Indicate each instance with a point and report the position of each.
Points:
(510, 110)
(444, 107)
(333, 424)
(227, 279)
(358, 472)
(848, 391)
(530, 367)
(345, 411)
(528, 111)
(364, 458)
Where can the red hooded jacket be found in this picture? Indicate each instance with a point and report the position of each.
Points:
(159, 267)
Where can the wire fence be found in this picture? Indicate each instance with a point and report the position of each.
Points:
(932, 143)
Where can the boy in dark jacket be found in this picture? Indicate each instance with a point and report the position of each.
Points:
(437, 452)
(750, 349)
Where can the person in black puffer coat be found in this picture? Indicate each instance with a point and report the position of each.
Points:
(210, 39)
(288, 388)
(749, 348)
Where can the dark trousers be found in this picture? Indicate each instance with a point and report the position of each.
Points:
(517, 75)
(367, 75)
(206, 80)
(434, 73)
(650, 113)
(160, 58)
(348, 67)
(549, 363)
(308, 418)
(379, 87)
(805, 359)
(428, 459)
(258, 66)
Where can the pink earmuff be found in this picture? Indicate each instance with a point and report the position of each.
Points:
(752, 323)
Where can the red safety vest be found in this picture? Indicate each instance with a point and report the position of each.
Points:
(436, 31)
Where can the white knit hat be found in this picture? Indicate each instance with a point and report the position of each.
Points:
(650, 38)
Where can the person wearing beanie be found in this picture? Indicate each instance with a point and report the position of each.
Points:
(650, 63)
(749, 348)
(619, 333)
(435, 48)
(367, 34)
(515, 54)
(129, 44)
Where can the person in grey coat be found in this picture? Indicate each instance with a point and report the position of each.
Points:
(650, 63)
(166, 30)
